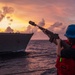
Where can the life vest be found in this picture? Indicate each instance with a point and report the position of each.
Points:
(66, 66)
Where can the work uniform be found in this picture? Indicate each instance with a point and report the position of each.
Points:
(65, 63)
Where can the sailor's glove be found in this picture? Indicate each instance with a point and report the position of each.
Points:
(53, 38)
(56, 36)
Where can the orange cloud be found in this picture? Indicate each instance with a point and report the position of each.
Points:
(25, 10)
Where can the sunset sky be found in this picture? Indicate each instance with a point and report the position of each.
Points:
(58, 14)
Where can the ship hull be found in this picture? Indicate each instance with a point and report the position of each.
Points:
(14, 42)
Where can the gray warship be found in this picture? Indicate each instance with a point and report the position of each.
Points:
(14, 42)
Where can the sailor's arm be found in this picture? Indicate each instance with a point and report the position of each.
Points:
(59, 48)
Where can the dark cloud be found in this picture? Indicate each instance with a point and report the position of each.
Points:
(9, 30)
(57, 24)
(58, 28)
(41, 23)
(5, 10)
(29, 29)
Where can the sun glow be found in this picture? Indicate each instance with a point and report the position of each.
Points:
(17, 24)
(9, 18)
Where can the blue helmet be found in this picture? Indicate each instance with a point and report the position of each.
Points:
(70, 32)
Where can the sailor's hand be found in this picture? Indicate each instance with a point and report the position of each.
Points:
(59, 47)
(58, 41)
(56, 36)
(53, 38)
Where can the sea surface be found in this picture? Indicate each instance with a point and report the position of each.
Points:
(39, 59)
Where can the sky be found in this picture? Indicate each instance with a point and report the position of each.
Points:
(16, 14)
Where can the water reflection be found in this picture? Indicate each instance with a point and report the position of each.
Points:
(37, 61)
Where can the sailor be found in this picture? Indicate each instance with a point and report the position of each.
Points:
(65, 63)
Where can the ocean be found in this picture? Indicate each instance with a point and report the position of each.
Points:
(39, 59)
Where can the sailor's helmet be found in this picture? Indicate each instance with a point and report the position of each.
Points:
(70, 32)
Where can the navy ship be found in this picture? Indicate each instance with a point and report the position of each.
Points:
(14, 42)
